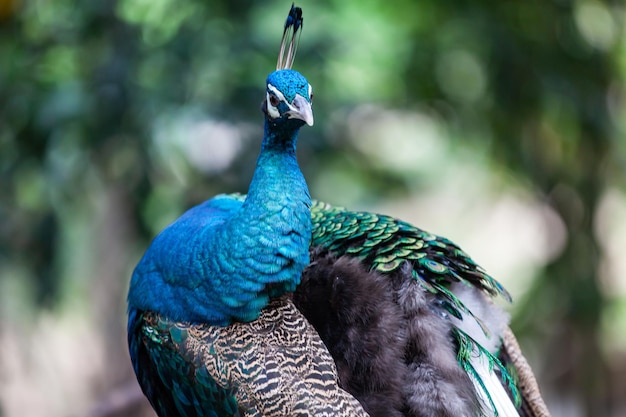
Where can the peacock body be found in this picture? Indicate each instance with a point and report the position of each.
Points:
(271, 304)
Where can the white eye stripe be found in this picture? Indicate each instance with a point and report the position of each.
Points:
(273, 111)
(310, 91)
(277, 93)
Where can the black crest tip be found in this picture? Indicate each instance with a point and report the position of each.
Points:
(289, 43)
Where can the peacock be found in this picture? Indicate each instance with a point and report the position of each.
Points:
(274, 304)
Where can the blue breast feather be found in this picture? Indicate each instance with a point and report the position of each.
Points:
(214, 265)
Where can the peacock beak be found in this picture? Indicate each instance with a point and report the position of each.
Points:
(301, 109)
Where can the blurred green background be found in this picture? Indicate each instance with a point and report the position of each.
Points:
(499, 124)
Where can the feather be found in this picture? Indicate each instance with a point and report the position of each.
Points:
(289, 43)
(354, 312)
(275, 365)
(481, 365)
(386, 338)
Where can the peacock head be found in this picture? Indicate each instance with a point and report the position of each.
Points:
(289, 95)
(289, 99)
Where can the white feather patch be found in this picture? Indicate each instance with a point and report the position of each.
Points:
(495, 319)
(503, 404)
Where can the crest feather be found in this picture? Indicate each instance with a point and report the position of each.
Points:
(289, 43)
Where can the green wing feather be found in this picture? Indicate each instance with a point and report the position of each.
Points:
(174, 385)
(468, 347)
(386, 243)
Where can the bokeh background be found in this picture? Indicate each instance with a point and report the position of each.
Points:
(498, 124)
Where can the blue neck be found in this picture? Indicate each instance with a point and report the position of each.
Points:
(277, 178)
(268, 240)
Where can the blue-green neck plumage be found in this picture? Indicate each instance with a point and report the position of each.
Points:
(277, 178)
(223, 260)
(274, 222)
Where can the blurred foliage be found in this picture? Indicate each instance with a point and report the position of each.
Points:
(117, 115)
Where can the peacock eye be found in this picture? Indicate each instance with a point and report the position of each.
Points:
(311, 98)
(274, 100)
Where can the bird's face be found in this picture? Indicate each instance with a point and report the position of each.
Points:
(288, 98)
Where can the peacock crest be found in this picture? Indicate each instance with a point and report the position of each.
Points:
(291, 38)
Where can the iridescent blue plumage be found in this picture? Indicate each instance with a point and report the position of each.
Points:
(222, 260)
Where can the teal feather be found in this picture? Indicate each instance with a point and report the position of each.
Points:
(373, 235)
